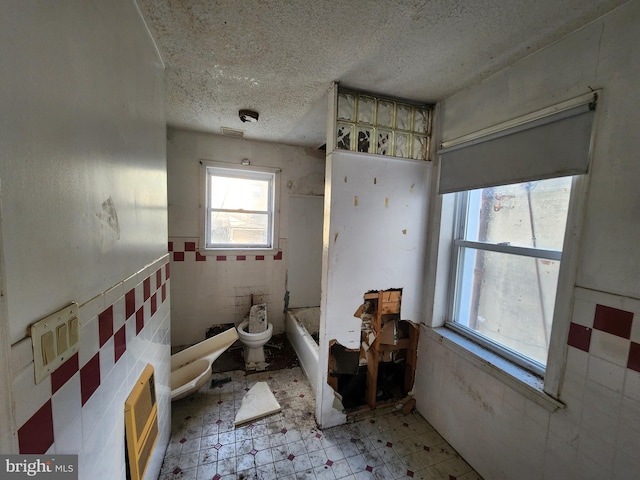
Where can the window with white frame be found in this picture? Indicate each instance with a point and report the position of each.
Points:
(515, 190)
(507, 250)
(240, 208)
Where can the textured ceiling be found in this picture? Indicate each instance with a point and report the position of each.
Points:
(279, 57)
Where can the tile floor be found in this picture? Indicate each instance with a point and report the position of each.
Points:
(288, 446)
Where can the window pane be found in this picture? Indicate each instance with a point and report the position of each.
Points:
(531, 214)
(508, 299)
(232, 193)
(229, 228)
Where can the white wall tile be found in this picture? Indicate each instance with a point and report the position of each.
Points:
(66, 406)
(632, 384)
(609, 347)
(28, 395)
(605, 373)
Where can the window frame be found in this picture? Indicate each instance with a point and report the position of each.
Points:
(459, 243)
(242, 172)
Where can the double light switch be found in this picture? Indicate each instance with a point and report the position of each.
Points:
(55, 339)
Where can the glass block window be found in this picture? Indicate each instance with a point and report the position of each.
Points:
(382, 126)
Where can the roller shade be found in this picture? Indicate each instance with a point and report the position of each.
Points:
(553, 146)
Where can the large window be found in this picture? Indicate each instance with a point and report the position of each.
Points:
(240, 208)
(514, 193)
(507, 251)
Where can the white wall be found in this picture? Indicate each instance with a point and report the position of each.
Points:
(374, 239)
(209, 290)
(83, 128)
(500, 432)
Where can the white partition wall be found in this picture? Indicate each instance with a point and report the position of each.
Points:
(374, 239)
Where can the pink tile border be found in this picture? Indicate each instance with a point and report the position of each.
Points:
(614, 321)
(36, 435)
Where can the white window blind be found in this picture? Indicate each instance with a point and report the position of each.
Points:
(553, 145)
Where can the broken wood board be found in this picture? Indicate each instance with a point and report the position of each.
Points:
(257, 403)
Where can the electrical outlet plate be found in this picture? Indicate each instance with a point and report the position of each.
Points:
(55, 339)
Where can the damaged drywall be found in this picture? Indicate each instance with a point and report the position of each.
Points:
(382, 369)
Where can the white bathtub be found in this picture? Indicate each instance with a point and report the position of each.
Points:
(301, 323)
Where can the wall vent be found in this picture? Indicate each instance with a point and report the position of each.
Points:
(232, 132)
(141, 424)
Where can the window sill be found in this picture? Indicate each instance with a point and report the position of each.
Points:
(240, 251)
(521, 380)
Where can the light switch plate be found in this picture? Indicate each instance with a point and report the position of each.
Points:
(55, 339)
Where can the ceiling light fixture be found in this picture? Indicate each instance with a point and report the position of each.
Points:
(248, 116)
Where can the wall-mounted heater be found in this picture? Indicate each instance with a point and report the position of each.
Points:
(141, 424)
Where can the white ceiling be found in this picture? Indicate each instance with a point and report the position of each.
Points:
(279, 57)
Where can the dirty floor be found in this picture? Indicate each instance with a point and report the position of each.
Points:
(288, 445)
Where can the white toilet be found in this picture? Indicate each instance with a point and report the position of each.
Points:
(254, 342)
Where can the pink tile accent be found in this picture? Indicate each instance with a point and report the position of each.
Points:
(409, 473)
(278, 256)
(253, 452)
(579, 337)
(158, 278)
(154, 304)
(176, 470)
(130, 303)
(217, 446)
(221, 258)
(634, 357)
(167, 273)
(216, 477)
(171, 246)
(369, 468)
(389, 444)
(190, 246)
(119, 343)
(284, 430)
(613, 321)
(90, 378)
(329, 463)
(200, 257)
(36, 435)
(105, 325)
(146, 288)
(291, 457)
(164, 292)
(241, 258)
(259, 257)
(354, 440)
(178, 256)
(139, 320)
(183, 440)
(63, 373)
(318, 435)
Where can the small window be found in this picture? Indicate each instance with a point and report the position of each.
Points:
(240, 208)
(507, 250)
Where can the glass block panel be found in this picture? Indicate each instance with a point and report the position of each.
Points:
(344, 136)
(403, 145)
(419, 147)
(404, 116)
(384, 139)
(366, 109)
(386, 111)
(365, 140)
(346, 107)
(420, 120)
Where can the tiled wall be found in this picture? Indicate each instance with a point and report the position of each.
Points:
(79, 408)
(216, 289)
(601, 423)
(505, 434)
